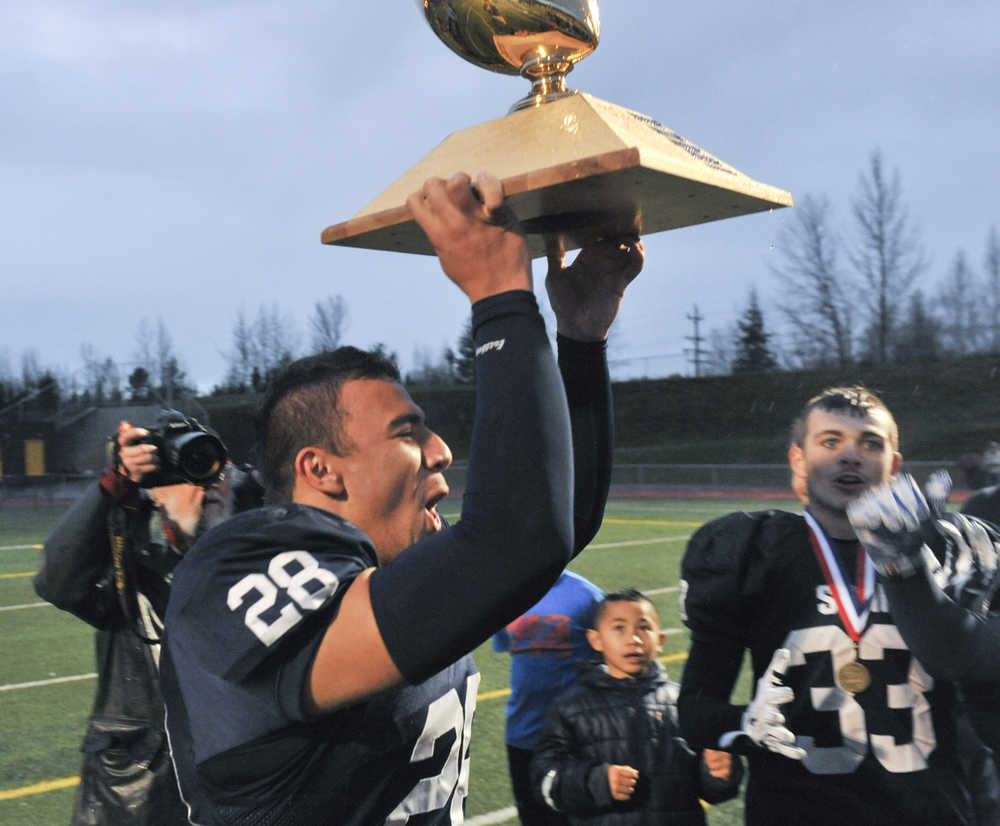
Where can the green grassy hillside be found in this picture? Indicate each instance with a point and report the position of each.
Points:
(944, 409)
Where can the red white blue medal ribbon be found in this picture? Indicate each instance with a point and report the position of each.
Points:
(853, 604)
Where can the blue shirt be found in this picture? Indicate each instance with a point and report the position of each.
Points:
(546, 643)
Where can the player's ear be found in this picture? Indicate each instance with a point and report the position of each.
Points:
(319, 470)
(897, 463)
(797, 462)
(594, 639)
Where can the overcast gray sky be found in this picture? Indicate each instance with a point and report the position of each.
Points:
(179, 159)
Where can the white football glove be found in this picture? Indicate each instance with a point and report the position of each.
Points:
(763, 721)
(893, 521)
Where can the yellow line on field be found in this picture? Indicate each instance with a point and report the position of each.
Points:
(67, 782)
(492, 695)
(617, 521)
(20, 575)
(38, 788)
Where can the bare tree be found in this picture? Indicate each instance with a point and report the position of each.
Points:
(145, 351)
(166, 363)
(102, 376)
(328, 323)
(259, 348)
(812, 286)
(241, 357)
(428, 371)
(721, 351)
(887, 255)
(8, 385)
(958, 306)
(274, 341)
(93, 384)
(31, 369)
(155, 354)
(991, 308)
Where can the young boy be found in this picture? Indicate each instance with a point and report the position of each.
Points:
(611, 752)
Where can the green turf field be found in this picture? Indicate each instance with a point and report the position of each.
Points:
(47, 658)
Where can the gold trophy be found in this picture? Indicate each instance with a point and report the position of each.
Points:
(574, 168)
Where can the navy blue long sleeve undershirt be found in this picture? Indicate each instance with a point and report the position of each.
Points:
(451, 591)
(951, 642)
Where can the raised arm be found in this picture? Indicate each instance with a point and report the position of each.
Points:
(585, 298)
(950, 629)
(450, 591)
(76, 557)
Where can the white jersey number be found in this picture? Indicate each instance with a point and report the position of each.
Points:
(277, 580)
(856, 739)
(431, 793)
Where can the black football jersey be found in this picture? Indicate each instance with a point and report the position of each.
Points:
(885, 753)
(249, 606)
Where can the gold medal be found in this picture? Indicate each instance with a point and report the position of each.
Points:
(854, 677)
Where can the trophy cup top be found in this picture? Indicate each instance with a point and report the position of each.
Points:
(539, 39)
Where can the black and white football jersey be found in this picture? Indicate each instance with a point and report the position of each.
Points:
(249, 606)
(881, 752)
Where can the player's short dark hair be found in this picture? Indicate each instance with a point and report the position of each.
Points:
(301, 408)
(854, 400)
(624, 595)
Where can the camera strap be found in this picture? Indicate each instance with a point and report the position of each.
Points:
(124, 573)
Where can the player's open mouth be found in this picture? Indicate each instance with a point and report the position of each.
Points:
(431, 509)
(851, 482)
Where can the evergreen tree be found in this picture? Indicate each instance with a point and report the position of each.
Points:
(919, 335)
(992, 303)
(380, 349)
(465, 357)
(138, 382)
(47, 400)
(959, 306)
(752, 352)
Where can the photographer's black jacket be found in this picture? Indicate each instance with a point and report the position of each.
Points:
(126, 775)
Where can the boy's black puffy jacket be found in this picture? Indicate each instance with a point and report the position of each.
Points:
(603, 721)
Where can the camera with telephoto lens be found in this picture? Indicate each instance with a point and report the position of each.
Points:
(187, 451)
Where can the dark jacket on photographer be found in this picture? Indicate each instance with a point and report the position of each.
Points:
(116, 534)
(605, 721)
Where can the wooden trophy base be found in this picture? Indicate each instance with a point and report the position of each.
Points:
(576, 169)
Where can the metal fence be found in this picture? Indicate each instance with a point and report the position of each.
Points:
(673, 479)
(639, 478)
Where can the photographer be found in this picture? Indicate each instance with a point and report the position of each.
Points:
(110, 561)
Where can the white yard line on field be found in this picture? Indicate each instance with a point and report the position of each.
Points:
(498, 816)
(26, 605)
(53, 681)
(668, 590)
(597, 546)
